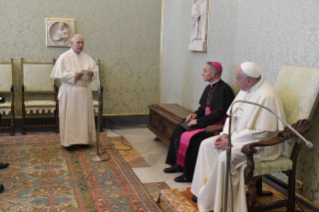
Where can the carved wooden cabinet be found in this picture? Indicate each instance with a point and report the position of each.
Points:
(164, 118)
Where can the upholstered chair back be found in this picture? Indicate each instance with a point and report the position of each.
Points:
(6, 79)
(298, 90)
(95, 83)
(36, 77)
(7, 91)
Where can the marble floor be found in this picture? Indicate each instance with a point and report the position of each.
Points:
(154, 153)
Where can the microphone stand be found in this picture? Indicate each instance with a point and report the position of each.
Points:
(228, 149)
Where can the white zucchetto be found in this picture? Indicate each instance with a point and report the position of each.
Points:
(250, 69)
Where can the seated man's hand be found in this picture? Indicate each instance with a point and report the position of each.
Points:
(78, 75)
(190, 117)
(221, 142)
(91, 74)
(192, 122)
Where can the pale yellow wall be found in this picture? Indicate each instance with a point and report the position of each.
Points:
(124, 35)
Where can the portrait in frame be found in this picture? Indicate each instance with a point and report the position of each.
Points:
(199, 26)
(59, 32)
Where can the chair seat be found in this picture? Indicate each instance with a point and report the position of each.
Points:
(39, 105)
(5, 108)
(96, 106)
(282, 163)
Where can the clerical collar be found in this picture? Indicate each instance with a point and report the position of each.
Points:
(255, 87)
(214, 82)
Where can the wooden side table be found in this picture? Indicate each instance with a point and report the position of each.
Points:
(164, 118)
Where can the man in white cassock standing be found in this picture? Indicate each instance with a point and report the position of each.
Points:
(76, 114)
(250, 123)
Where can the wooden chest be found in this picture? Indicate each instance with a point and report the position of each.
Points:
(164, 118)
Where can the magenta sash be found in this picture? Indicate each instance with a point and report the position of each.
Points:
(186, 137)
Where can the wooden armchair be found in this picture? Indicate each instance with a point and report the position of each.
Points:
(39, 93)
(98, 97)
(283, 164)
(298, 89)
(7, 90)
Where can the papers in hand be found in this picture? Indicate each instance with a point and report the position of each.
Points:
(85, 74)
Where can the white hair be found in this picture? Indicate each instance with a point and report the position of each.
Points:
(76, 35)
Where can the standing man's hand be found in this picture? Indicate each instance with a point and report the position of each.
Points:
(91, 74)
(78, 75)
(190, 117)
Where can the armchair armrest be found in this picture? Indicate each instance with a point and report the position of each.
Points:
(214, 128)
(250, 149)
(302, 127)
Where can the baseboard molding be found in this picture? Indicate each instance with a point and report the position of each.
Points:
(126, 120)
(299, 198)
(107, 121)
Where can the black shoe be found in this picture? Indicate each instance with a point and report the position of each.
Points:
(84, 146)
(4, 165)
(194, 198)
(1, 188)
(69, 148)
(182, 179)
(174, 169)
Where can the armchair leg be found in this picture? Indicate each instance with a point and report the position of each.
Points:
(12, 123)
(12, 109)
(56, 121)
(101, 108)
(23, 121)
(101, 125)
(251, 183)
(291, 192)
(23, 112)
(259, 189)
(101, 120)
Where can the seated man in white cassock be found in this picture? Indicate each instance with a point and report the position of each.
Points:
(75, 95)
(250, 123)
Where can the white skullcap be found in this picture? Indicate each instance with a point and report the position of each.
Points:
(250, 69)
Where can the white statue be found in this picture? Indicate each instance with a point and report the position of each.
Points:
(61, 34)
(198, 13)
(199, 26)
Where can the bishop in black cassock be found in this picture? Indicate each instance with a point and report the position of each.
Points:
(216, 97)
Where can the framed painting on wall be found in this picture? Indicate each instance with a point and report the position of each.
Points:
(199, 26)
(59, 32)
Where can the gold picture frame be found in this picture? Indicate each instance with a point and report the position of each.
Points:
(59, 32)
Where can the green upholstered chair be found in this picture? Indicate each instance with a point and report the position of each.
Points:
(98, 96)
(298, 89)
(39, 94)
(7, 91)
